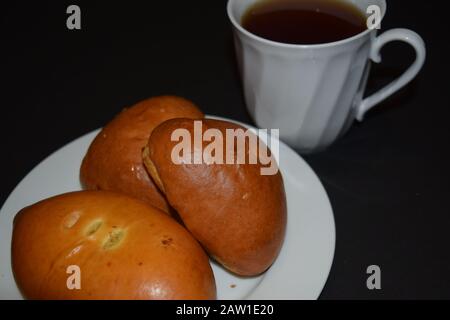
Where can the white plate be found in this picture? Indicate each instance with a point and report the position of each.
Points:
(300, 272)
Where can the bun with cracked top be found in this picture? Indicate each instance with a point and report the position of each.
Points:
(124, 248)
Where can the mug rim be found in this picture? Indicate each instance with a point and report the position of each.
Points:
(253, 36)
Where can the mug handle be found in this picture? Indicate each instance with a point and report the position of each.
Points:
(404, 35)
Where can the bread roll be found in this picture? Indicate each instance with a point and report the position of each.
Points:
(125, 249)
(114, 159)
(237, 214)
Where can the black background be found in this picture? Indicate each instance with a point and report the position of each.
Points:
(387, 178)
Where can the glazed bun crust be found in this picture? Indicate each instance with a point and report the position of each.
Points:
(114, 160)
(237, 214)
(125, 249)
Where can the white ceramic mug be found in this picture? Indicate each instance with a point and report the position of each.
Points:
(313, 93)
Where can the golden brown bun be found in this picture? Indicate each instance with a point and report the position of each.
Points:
(125, 249)
(237, 214)
(114, 160)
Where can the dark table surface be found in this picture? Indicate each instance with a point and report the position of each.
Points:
(387, 179)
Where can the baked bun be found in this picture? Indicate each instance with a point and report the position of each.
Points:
(114, 160)
(237, 214)
(125, 249)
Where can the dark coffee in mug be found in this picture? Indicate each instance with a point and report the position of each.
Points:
(304, 21)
